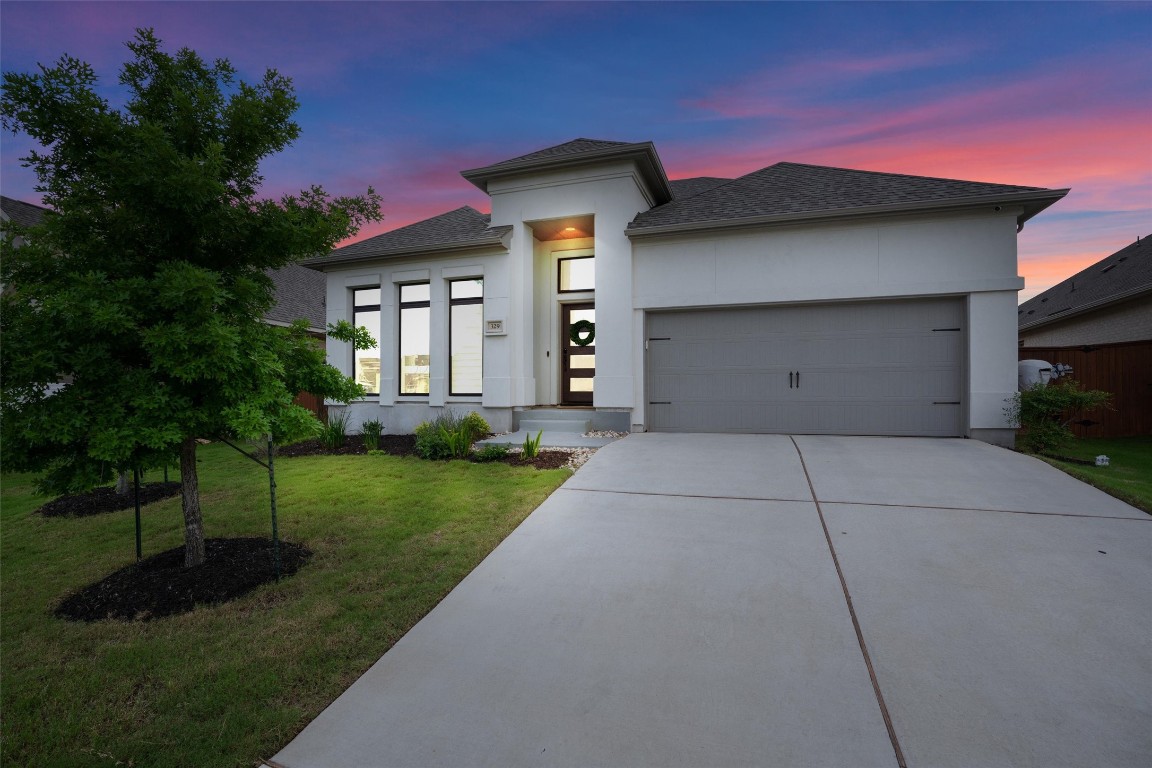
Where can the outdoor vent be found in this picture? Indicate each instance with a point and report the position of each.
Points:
(1043, 299)
(1107, 268)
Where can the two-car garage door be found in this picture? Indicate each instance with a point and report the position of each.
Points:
(871, 368)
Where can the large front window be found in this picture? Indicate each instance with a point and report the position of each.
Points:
(466, 337)
(366, 314)
(415, 346)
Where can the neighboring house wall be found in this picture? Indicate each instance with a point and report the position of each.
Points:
(1127, 321)
(1124, 370)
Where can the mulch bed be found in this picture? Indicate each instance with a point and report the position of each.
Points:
(394, 445)
(101, 500)
(543, 460)
(161, 586)
(405, 445)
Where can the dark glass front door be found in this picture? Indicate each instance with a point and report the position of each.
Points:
(578, 361)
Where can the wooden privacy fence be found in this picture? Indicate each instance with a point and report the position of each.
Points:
(314, 404)
(1125, 370)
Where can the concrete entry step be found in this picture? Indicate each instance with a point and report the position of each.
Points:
(554, 425)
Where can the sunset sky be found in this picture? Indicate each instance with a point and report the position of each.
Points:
(404, 96)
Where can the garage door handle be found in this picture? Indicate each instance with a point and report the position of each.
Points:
(797, 379)
(789, 379)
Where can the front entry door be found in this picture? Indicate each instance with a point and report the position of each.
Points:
(578, 361)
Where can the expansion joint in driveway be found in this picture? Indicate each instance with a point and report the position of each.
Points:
(684, 495)
(977, 509)
(852, 612)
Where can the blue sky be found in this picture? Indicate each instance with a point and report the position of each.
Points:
(403, 96)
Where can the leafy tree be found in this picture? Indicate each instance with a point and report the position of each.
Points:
(1045, 411)
(147, 284)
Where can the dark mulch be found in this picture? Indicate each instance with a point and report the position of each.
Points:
(161, 586)
(543, 460)
(405, 445)
(395, 445)
(100, 500)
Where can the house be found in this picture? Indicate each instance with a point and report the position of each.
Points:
(1099, 321)
(794, 299)
(20, 212)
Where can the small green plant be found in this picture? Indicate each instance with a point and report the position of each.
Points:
(449, 435)
(377, 453)
(531, 447)
(371, 430)
(335, 430)
(1044, 413)
(493, 452)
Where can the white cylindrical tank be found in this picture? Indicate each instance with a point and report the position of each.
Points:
(1033, 372)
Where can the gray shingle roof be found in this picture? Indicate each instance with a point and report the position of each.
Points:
(581, 152)
(462, 228)
(797, 190)
(1124, 274)
(22, 213)
(300, 293)
(682, 189)
(567, 149)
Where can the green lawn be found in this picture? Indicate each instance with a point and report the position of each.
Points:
(1128, 475)
(229, 685)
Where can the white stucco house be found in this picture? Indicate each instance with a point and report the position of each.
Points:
(794, 299)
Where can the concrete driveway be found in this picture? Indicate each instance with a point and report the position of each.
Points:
(761, 600)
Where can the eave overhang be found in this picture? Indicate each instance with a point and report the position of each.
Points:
(498, 237)
(1031, 203)
(641, 153)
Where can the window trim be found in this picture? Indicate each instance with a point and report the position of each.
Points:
(357, 308)
(462, 302)
(560, 274)
(401, 306)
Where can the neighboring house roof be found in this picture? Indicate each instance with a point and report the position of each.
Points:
(581, 152)
(793, 191)
(1121, 276)
(459, 229)
(300, 293)
(24, 214)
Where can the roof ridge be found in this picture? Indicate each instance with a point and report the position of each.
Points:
(891, 174)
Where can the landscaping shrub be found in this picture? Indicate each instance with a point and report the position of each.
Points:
(495, 452)
(1044, 413)
(449, 435)
(531, 447)
(335, 430)
(371, 430)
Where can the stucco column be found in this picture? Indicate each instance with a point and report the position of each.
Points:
(991, 365)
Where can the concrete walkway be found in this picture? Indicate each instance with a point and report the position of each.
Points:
(707, 600)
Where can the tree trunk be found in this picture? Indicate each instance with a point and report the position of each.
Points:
(190, 493)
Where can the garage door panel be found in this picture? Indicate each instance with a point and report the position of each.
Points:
(890, 368)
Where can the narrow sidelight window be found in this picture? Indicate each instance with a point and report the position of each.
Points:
(366, 314)
(577, 274)
(415, 332)
(466, 337)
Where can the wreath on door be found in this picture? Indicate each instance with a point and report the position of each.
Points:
(582, 332)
